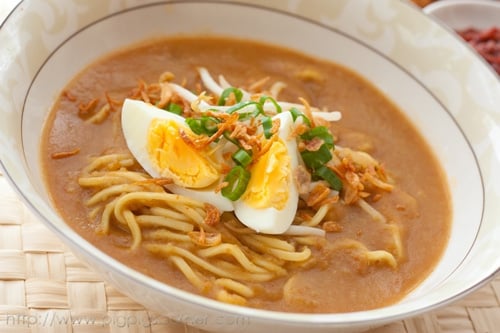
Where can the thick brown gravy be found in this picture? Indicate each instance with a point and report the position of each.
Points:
(420, 204)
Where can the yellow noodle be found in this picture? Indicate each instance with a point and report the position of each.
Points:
(237, 287)
(153, 198)
(235, 252)
(114, 190)
(94, 212)
(188, 272)
(103, 178)
(134, 228)
(168, 213)
(192, 213)
(121, 160)
(281, 254)
(163, 234)
(308, 240)
(292, 256)
(103, 227)
(225, 264)
(381, 256)
(160, 221)
(274, 242)
(268, 264)
(100, 181)
(133, 176)
(226, 297)
(376, 256)
(255, 243)
(318, 216)
(238, 229)
(396, 236)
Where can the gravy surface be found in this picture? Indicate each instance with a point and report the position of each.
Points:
(334, 282)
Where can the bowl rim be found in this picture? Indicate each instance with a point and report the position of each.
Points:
(274, 316)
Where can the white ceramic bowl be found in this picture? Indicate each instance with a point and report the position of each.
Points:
(464, 14)
(449, 94)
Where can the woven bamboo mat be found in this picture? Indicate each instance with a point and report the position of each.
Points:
(45, 288)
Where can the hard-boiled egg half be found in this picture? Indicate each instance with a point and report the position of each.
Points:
(270, 200)
(153, 137)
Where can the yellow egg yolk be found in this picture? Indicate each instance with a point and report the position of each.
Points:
(269, 180)
(174, 158)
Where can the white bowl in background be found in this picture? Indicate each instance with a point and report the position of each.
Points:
(463, 14)
(448, 93)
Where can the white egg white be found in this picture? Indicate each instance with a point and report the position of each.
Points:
(136, 119)
(271, 220)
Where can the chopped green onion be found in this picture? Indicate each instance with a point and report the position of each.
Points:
(238, 94)
(321, 132)
(195, 125)
(318, 158)
(296, 114)
(243, 116)
(331, 177)
(209, 124)
(228, 137)
(242, 157)
(267, 125)
(263, 100)
(204, 125)
(242, 105)
(174, 108)
(237, 181)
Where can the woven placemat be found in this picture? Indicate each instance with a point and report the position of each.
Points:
(45, 288)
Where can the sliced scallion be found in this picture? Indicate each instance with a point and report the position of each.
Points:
(320, 132)
(209, 124)
(228, 137)
(195, 125)
(238, 95)
(297, 114)
(267, 126)
(242, 157)
(203, 125)
(174, 108)
(329, 176)
(263, 100)
(237, 181)
(318, 158)
(242, 105)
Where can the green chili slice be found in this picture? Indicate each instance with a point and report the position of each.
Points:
(238, 94)
(331, 177)
(242, 157)
(237, 181)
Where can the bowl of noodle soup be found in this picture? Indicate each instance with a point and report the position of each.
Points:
(332, 170)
